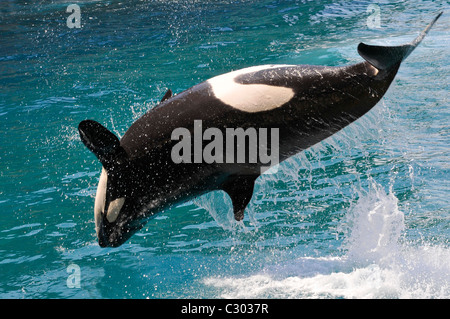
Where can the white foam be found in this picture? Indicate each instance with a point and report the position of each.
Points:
(376, 262)
(373, 226)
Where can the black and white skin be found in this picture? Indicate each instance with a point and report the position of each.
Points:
(305, 103)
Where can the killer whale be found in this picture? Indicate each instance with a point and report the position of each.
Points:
(305, 103)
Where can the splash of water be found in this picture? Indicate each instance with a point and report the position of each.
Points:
(373, 227)
(219, 206)
(376, 262)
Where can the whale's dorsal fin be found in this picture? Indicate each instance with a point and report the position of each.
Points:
(103, 143)
(385, 57)
(240, 190)
(166, 96)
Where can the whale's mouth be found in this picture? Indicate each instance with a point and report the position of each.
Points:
(108, 238)
(133, 216)
(114, 234)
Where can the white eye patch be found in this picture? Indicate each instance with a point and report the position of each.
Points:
(114, 209)
(250, 97)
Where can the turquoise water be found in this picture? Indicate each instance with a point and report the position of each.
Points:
(364, 214)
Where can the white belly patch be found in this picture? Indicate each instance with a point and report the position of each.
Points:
(100, 198)
(250, 97)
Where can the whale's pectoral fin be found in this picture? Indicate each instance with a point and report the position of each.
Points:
(103, 143)
(166, 96)
(385, 57)
(240, 189)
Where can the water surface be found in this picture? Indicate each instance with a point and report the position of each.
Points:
(363, 214)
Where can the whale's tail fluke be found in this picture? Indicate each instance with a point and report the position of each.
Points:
(384, 57)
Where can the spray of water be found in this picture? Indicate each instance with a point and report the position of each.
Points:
(373, 227)
(376, 262)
